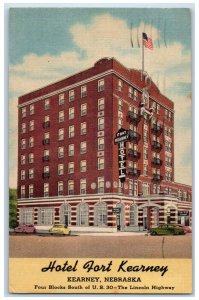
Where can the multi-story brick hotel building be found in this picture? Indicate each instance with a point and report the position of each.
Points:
(68, 161)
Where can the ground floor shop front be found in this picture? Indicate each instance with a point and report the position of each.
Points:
(112, 212)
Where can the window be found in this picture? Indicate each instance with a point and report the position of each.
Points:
(23, 159)
(71, 167)
(185, 196)
(120, 122)
(154, 106)
(100, 163)
(158, 109)
(100, 211)
(133, 215)
(71, 150)
(101, 143)
(179, 194)
(46, 189)
(83, 109)
(61, 99)
(60, 169)
(71, 113)
(23, 174)
(83, 186)
(168, 131)
(168, 115)
(46, 118)
(61, 116)
(71, 131)
(145, 170)
(130, 92)
(83, 128)
(135, 95)
(47, 104)
(60, 152)
(23, 127)
(60, 188)
(46, 216)
(46, 123)
(130, 187)
(135, 188)
(145, 135)
(100, 123)
(31, 173)
(83, 214)
(100, 184)
(23, 144)
(46, 139)
(31, 191)
(120, 85)
(31, 142)
(31, 158)
(100, 104)
(83, 147)
(83, 166)
(61, 134)
(46, 173)
(32, 109)
(120, 105)
(83, 91)
(145, 153)
(23, 191)
(168, 176)
(46, 155)
(71, 95)
(145, 188)
(100, 85)
(23, 112)
(31, 125)
(26, 216)
(167, 146)
(168, 161)
(70, 187)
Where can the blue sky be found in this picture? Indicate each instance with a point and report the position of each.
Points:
(49, 44)
(43, 31)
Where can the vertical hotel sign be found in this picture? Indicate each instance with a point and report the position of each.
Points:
(121, 137)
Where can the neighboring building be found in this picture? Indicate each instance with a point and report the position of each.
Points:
(68, 162)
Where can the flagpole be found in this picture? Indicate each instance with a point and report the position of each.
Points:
(142, 57)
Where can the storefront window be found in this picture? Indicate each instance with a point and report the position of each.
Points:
(27, 216)
(100, 214)
(83, 214)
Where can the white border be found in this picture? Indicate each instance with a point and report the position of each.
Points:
(4, 172)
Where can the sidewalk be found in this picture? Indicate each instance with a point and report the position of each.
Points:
(119, 233)
(84, 233)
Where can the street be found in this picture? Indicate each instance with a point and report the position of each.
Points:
(101, 246)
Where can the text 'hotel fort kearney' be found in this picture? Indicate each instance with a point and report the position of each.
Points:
(96, 151)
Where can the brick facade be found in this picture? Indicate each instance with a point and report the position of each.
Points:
(81, 112)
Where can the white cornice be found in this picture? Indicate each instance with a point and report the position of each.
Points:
(103, 74)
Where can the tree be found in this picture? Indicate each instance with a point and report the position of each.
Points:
(12, 208)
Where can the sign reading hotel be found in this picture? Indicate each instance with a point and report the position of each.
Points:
(121, 137)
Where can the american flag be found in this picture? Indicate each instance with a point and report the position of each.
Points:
(148, 43)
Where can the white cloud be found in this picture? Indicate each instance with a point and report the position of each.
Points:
(106, 36)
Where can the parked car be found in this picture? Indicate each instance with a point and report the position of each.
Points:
(59, 229)
(185, 228)
(166, 229)
(26, 228)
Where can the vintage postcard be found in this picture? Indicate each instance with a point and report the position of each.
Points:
(100, 151)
